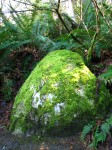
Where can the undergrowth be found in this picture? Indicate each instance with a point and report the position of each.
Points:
(98, 133)
(107, 76)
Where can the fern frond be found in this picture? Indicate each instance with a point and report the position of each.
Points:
(105, 128)
(13, 44)
(107, 76)
(86, 130)
(8, 46)
(109, 121)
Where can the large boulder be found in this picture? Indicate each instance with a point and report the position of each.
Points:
(59, 90)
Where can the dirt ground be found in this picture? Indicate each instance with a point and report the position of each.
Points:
(14, 142)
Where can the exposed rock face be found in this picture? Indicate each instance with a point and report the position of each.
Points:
(60, 89)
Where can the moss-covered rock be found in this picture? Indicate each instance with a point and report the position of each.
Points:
(60, 89)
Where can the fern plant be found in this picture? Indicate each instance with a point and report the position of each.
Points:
(28, 29)
(97, 133)
(86, 130)
(107, 76)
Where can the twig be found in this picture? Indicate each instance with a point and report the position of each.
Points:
(97, 18)
(91, 48)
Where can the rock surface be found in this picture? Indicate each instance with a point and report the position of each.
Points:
(58, 91)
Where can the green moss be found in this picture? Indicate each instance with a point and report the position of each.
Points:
(60, 89)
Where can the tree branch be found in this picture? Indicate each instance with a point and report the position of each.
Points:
(95, 2)
(62, 21)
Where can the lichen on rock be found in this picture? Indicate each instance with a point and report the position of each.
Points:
(59, 89)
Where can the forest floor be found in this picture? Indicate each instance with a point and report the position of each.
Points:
(14, 142)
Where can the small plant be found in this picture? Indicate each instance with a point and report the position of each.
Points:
(107, 76)
(97, 133)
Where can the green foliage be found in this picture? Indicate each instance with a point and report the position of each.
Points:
(23, 32)
(95, 134)
(7, 89)
(40, 29)
(107, 76)
(86, 130)
(99, 23)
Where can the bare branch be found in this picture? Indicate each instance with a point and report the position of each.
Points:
(20, 2)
